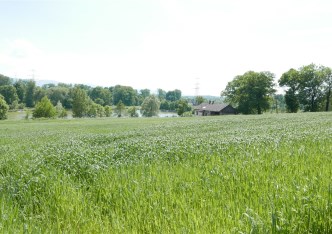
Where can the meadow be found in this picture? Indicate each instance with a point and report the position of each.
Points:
(228, 174)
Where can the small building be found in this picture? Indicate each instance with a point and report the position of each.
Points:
(207, 109)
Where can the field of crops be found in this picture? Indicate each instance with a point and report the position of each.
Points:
(227, 174)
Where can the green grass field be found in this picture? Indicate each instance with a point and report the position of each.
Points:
(227, 174)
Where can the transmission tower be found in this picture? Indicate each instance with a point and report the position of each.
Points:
(197, 87)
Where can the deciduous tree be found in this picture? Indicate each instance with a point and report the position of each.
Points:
(9, 93)
(183, 107)
(126, 94)
(150, 106)
(80, 102)
(250, 92)
(120, 107)
(30, 93)
(311, 87)
(291, 79)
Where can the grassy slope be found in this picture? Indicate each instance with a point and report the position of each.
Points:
(269, 173)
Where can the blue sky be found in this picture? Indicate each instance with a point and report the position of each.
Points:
(161, 44)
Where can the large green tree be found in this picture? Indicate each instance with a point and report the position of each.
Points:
(311, 87)
(250, 92)
(9, 93)
(308, 87)
(126, 94)
(30, 93)
(101, 95)
(20, 86)
(174, 95)
(291, 79)
(3, 108)
(80, 102)
(150, 106)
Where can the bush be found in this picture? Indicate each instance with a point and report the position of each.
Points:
(187, 114)
(132, 111)
(44, 109)
(60, 110)
(3, 108)
(14, 105)
(108, 111)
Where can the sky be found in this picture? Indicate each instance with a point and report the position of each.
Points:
(192, 45)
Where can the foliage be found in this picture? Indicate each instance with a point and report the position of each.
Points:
(100, 95)
(58, 94)
(199, 100)
(4, 80)
(311, 94)
(20, 86)
(120, 107)
(80, 102)
(44, 109)
(14, 105)
(235, 174)
(3, 108)
(326, 74)
(183, 107)
(30, 93)
(108, 111)
(60, 110)
(126, 94)
(278, 104)
(161, 94)
(187, 114)
(292, 101)
(291, 79)
(39, 94)
(250, 92)
(308, 87)
(132, 111)
(95, 110)
(9, 93)
(150, 106)
(174, 95)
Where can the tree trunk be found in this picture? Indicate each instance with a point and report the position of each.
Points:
(259, 110)
(312, 103)
(328, 100)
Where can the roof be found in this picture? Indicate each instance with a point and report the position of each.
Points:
(216, 107)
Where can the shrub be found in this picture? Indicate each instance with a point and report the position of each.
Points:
(132, 111)
(44, 109)
(60, 110)
(108, 111)
(3, 108)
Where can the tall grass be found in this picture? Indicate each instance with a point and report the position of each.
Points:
(229, 174)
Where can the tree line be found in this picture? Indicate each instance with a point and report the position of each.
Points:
(84, 100)
(307, 89)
